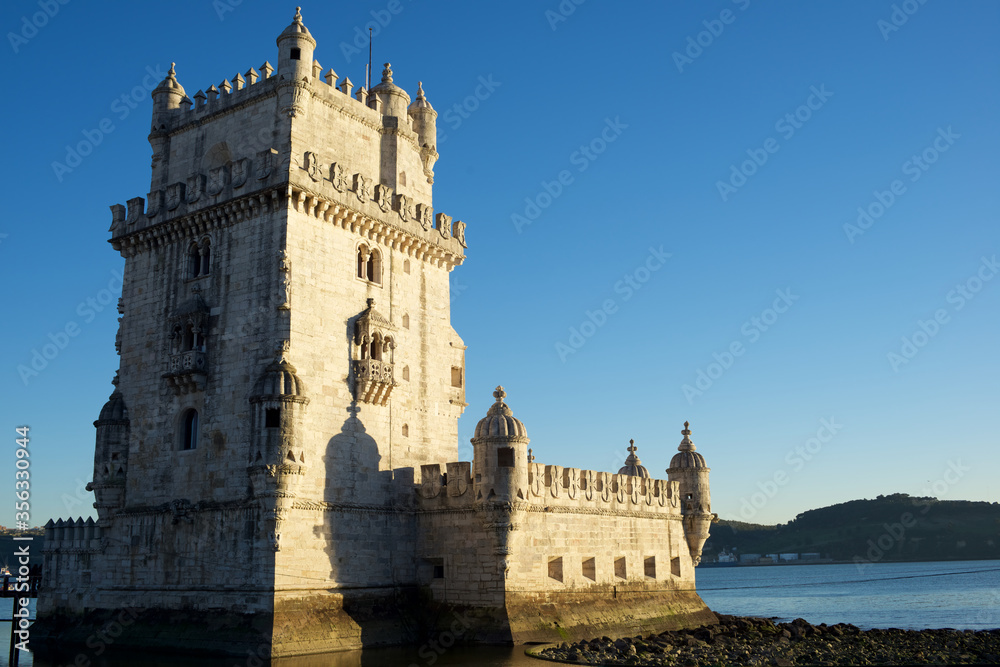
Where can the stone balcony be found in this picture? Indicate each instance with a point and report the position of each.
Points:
(374, 380)
(188, 371)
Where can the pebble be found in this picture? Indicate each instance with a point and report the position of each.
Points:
(761, 641)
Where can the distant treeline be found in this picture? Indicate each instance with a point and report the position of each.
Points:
(893, 527)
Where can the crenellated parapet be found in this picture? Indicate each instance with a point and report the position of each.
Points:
(72, 537)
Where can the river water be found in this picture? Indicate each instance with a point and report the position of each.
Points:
(954, 594)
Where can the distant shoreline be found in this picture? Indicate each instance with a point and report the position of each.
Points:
(829, 561)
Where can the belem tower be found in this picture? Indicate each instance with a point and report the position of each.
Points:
(274, 469)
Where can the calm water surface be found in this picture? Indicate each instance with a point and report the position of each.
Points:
(961, 595)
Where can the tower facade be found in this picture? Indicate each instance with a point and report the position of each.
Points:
(272, 469)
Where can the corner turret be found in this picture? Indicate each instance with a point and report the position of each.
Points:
(500, 455)
(295, 50)
(424, 119)
(393, 98)
(169, 95)
(110, 457)
(688, 468)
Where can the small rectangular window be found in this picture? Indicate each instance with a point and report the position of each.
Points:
(296, 54)
(649, 567)
(505, 457)
(620, 571)
(555, 569)
(590, 568)
(439, 571)
(272, 418)
(456, 376)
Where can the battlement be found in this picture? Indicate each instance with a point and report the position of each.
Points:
(556, 486)
(243, 88)
(73, 536)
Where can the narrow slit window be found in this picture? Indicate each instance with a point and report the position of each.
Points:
(272, 418)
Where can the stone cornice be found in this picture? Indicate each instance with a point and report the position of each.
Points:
(199, 222)
(323, 207)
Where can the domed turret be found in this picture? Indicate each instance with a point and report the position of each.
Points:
(500, 458)
(169, 94)
(295, 50)
(424, 119)
(633, 466)
(277, 458)
(394, 99)
(278, 380)
(110, 456)
(688, 468)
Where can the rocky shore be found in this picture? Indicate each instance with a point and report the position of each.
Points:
(752, 642)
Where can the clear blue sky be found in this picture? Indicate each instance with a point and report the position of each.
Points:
(677, 120)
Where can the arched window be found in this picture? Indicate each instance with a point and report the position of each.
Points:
(406, 321)
(369, 264)
(189, 435)
(406, 266)
(376, 348)
(374, 268)
(406, 430)
(194, 262)
(206, 257)
(200, 259)
(189, 340)
(406, 373)
(363, 262)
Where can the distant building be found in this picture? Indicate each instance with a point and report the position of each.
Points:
(749, 558)
(810, 556)
(788, 557)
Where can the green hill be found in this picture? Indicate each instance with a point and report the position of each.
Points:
(894, 527)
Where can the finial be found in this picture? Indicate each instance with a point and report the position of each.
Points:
(282, 350)
(531, 457)
(387, 74)
(371, 302)
(687, 424)
(172, 74)
(499, 394)
(631, 447)
(298, 15)
(420, 90)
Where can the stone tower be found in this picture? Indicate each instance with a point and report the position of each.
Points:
(287, 355)
(274, 471)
